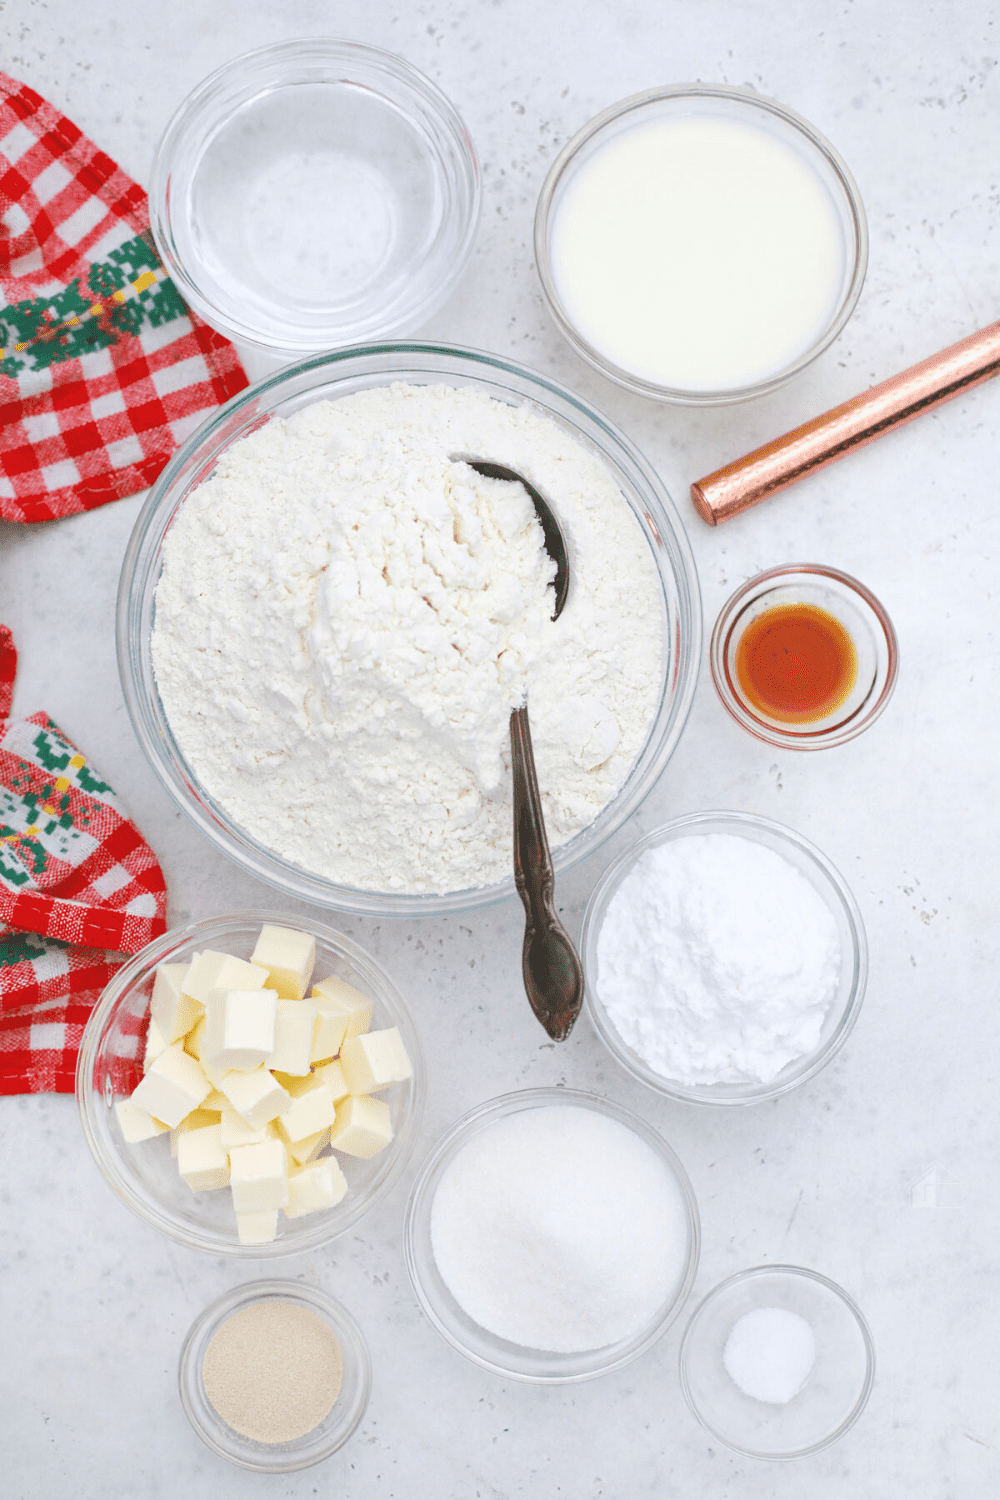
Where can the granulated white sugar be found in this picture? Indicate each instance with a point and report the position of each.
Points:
(560, 1229)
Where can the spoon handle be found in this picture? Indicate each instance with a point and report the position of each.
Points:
(553, 974)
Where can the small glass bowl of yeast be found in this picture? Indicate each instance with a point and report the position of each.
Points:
(804, 657)
(700, 244)
(837, 1382)
(144, 1173)
(254, 1390)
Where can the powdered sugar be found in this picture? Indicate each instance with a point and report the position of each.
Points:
(347, 615)
(717, 960)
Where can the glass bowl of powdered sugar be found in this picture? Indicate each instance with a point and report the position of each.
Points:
(725, 959)
(326, 617)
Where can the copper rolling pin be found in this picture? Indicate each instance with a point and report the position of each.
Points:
(858, 421)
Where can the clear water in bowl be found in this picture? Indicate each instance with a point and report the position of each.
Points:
(313, 201)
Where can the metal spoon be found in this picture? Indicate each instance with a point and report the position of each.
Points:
(553, 974)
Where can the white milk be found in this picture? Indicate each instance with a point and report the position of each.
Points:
(699, 253)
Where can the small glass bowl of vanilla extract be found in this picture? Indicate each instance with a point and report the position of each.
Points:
(804, 656)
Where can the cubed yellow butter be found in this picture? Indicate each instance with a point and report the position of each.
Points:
(257, 1228)
(156, 1043)
(329, 1028)
(239, 1028)
(302, 1151)
(258, 1176)
(173, 1010)
(194, 1121)
(216, 1100)
(288, 956)
(137, 1124)
(257, 1096)
(344, 999)
(375, 1060)
(201, 1158)
(320, 1184)
(311, 1109)
(332, 1075)
(211, 970)
(362, 1127)
(293, 1029)
(236, 1131)
(173, 1087)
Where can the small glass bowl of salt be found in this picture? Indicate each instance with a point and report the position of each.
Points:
(777, 1362)
(725, 959)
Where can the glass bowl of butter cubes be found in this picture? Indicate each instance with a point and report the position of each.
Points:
(251, 1084)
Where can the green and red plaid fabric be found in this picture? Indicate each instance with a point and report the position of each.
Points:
(79, 887)
(103, 370)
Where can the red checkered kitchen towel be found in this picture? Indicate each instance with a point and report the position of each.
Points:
(79, 886)
(103, 370)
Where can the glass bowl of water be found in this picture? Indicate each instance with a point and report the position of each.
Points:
(315, 194)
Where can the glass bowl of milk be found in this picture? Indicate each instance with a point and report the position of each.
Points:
(700, 244)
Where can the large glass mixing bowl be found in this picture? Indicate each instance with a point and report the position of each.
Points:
(327, 377)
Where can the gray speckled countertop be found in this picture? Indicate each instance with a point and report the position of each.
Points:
(879, 1173)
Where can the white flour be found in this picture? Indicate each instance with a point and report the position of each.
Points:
(717, 960)
(346, 617)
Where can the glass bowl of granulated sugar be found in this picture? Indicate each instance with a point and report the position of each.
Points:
(725, 959)
(326, 617)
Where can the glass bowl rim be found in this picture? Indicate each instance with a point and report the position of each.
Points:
(655, 512)
(248, 1294)
(377, 62)
(752, 1273)
(680, 395)
(444, 1150)
(801, 738)
(308, 1237)
(803, 1069)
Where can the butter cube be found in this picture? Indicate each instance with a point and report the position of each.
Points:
(375, 1060)
(311, 1110)
(173, 1011)
(173, 1087)
(293, 1030)
(201, 1158)
(258, 1176)
(321, 1184)
(257, 1096)
(332, 1075)
(344, 999)
(239, 1027)
(257, 1228)
(221, 971)
(156, 1043)
(194, 1121)
(362, 1127)
(304, 1150)
(329, 1028)
(137, 1124)
(288, 956)
(236, 1131)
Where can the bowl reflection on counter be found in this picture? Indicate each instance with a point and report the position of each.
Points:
(328, 377)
